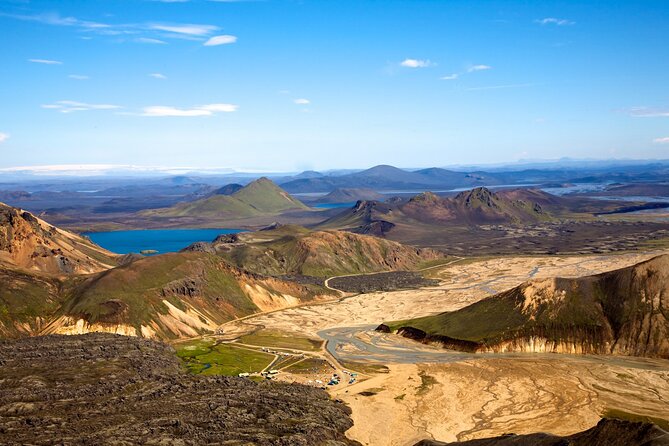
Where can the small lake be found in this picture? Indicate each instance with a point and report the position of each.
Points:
(349, 204)
(160, 240)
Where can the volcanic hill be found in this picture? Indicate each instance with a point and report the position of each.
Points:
(622, 312)
(260, 197)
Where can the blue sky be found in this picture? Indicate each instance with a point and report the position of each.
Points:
(292, 85)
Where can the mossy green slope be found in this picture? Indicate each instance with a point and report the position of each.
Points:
(322, 253)
(261, 197)
(175, 294)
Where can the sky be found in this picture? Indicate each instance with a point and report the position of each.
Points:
(286, 85)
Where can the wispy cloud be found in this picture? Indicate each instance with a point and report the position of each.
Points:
(3, 137)
(150, 40)
(479, 67)
(664, 140)
(157, 76)
(78, 77)
(57, 20)
(648, 112)
(302, 101)
(75, 106)
(220, 40)
(450, 77)
(554, 21)
(144, 32)
(189, 29)
(201, 110)
(416, 63)
(46, 61)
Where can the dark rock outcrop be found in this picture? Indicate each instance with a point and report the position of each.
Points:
(106, 389)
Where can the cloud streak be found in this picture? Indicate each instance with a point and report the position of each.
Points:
(479, 67)
(76, 106)
(157, 111)
(3, 137)
(450, 77)
(663, 140)
(302, 101)
(157, 76)
(150, 41)
(220, 40)
(46, 61)
(648, 112)
(145, 32)
(78, 77)
(554, 21)
(189, 29)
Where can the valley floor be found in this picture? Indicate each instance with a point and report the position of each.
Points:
(431, 393)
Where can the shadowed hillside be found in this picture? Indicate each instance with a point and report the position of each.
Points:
(619, 312)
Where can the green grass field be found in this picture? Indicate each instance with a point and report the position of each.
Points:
(310, 365)
(206, 358)
(278, 339)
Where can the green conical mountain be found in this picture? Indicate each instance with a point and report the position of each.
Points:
(261, 197)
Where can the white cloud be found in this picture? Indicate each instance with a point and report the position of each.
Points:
(220, 40)
(302, 101)
(3, 137)
(158, 76)
(450, 77)
(647, 112)
(74, 106)
(46, 61)
(664, 140)
(190, 29)
(150, 40)
(481, 67)
(554, 21)
(416, 63)
(225, 108)
(79, 77)
(202, 110)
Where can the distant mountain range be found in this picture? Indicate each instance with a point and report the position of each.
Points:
(346, 194)
(389, 178)
(617, 312)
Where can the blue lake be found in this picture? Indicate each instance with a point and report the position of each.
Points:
(161, 240)
(335, 205)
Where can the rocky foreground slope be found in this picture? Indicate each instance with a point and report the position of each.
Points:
(625, 312)
(107, 389)
(608, 432)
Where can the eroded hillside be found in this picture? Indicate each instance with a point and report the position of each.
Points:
(618, 312)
